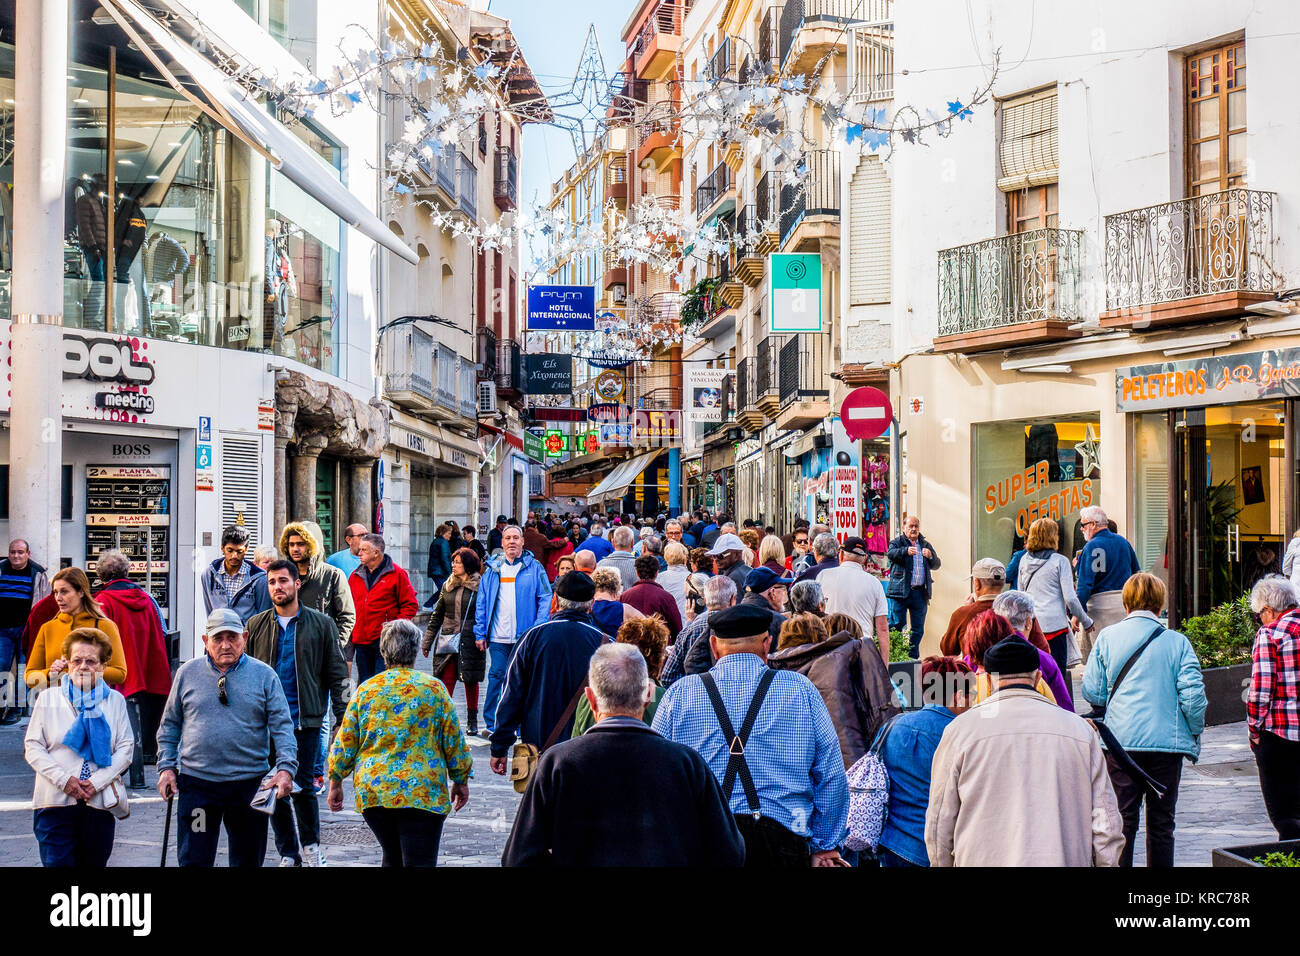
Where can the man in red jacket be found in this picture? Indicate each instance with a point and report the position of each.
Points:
(650, 597)
(148, 670)
(382, 592)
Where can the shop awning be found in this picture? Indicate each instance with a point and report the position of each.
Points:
(615, 484)
(245, 118)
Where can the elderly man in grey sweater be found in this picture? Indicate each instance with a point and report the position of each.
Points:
(622, 560)
(225, 712)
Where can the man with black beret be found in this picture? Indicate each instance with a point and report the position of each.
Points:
(763, 732)
(548, 672)
(1018, 781)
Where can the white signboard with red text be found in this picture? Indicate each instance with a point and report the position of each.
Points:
(845, 484)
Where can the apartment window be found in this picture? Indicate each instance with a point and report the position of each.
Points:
(1027, 155)
(1216, 119)
(498, 291)
(514, 304)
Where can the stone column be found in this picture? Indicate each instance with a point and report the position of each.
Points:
(285, 415)
(36, 339)
(304, 475)
(360, 501)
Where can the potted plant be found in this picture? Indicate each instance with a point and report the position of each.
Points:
(1222, 639)
(1282, 853)
(698, 303)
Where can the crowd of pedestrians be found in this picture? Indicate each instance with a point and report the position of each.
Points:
(685, 691)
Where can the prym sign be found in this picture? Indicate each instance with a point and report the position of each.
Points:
(104, 360)
(561, 308)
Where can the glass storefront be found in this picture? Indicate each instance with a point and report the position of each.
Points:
(201, 241)
(1034, 468)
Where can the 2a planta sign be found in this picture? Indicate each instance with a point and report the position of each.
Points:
(561, 308)
(795, 292)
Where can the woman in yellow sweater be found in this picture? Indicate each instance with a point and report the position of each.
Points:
(76, 609)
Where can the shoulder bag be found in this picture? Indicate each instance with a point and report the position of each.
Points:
(869, 795)
(524, 757)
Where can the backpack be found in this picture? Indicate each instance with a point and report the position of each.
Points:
(869, 795)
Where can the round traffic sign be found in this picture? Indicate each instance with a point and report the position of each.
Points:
(866, 413)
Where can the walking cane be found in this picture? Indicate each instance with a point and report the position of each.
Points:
(167, 831)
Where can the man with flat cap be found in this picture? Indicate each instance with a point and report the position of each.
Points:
(548, 672)
(769, 740)
(1017, 781)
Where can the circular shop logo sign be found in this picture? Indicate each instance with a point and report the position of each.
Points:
(609, 385)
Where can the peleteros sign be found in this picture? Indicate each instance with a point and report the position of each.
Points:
(1216, 380)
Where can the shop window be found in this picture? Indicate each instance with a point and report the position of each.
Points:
(1029, 469)
(65, 496)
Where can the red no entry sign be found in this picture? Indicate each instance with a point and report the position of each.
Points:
(866, 413)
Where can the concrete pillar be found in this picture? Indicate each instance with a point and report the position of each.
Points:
(360, 502)
(36, 417)
(304, 475)
(285, 416)
(674, 482)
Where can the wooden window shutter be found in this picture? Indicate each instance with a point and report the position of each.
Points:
(241, 481)
(1028, 149)
(869, 229)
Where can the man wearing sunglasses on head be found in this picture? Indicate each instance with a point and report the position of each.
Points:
(212, 746)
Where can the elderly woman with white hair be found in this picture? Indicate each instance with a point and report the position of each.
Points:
(401, 740)
(1273, 704)
(1018, 608)
(673, 580)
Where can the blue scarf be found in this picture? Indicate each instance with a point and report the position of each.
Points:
(89, 736)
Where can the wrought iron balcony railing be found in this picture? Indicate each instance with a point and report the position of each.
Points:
(769, 38)
(723, 62)
(1023, 277)
(509, 371)
(806, 364)
(796, 13)
(666, 18)
(767, 201)
(712, 189)
(468, 187)
(767, 368)
(743, 397)
(505, 189)
(485, 351)
(817, 195)
(1219, 242)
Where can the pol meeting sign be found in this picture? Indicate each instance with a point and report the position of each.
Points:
(561, 308)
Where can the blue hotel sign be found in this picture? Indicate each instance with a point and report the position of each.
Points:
(561, 308)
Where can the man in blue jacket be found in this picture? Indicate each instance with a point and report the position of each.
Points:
(1106, 562)
(547, 671)
(597, 543)
(233, 582)
(513, 595)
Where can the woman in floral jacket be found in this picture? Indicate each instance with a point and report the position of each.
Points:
(402, 740)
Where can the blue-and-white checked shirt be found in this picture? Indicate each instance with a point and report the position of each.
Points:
(792, 752)
(918, 567)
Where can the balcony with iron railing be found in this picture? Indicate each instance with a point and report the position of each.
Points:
(509, 370)
(748, 415)
(407, 362)
(439, 175)
(871, 62)
(454, 395)
(1206, 257)
(615, 272)
(505, 185)
(716, 196)
(810, 209)
(747, 261)
(722, 65)
(810, 29)
(804, 369)
(468, 204)
(1018, 289)
(769, 39)
(616, 180)
(767, 379)
(485, 352)
(660, 41)
(656, 134)
(767, 210)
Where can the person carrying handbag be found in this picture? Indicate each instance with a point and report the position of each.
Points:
(450, 634)
(1145, 680)
(79, 742)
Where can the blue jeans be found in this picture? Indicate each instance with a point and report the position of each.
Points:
(301, 805)
(323, 746)
(10, 650)
(79, 835)
(500, 654)
(368, 661)
(888, 857)
(915, 604)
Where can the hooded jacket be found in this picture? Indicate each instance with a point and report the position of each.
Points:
(252, 598)
(854, 683)
(385, 596)
(324, 587)
(144, 644)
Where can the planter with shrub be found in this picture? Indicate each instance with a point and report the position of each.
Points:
(1283, 853)
(1222, 639)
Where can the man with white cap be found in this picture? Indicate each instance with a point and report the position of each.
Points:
(988, 577)
(728, 553)
(212, 746)
(850, 590)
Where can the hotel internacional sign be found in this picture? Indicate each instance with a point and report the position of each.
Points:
(1217, 380)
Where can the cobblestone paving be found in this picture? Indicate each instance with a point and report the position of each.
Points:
(1219, 804)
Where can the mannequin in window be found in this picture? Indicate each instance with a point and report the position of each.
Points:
(166, 261)
(92, 237)
(281, 283)
(130, 229)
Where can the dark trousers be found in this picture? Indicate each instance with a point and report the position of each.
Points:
(1278, 759)
(916, 605)
(409, 836)
(1058, 645)
(1164, 768)
(207, 804)
(79, 835)
(304, 804)
(368, 661)
(145, 712)
(768, 844)
(888, 857)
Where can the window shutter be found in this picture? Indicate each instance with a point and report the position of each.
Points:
(869, 227)
(1028, 149)
(241, 474)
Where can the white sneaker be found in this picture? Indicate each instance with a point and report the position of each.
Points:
(314, 856)
(289, 861)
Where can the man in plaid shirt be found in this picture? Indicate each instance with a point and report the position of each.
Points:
(1273, 707)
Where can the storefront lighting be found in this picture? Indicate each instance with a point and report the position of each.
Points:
(81, 100)
(148, 99)
(1049, 370)
(1185, 344)
(9, 102)
(151, 176)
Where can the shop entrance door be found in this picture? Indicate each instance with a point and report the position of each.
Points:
(1230, 488)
